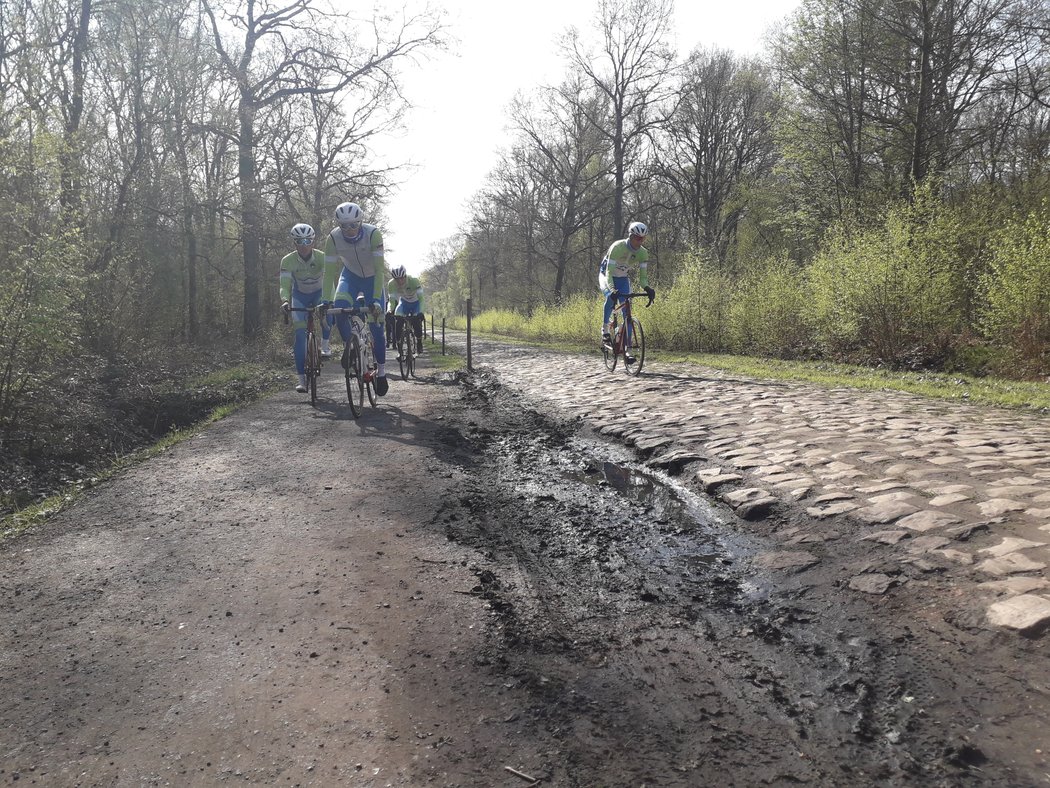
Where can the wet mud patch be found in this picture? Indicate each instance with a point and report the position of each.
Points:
(651, 649)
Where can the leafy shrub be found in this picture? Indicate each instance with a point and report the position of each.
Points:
(768, 314)
(1017, 291)
(35, 322)
(692, 314)
(895, 293)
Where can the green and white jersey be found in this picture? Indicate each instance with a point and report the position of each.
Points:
(410, 293)
(305, 274)
(362, 256)
(619, 260)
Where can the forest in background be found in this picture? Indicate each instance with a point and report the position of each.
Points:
(870, 188)
(153, 157)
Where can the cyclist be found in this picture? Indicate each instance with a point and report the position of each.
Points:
(615, 270)
(406, 293)
(302, 272)
(353, 256)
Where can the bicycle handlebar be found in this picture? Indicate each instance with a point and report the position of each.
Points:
(347, 310)
(299, 309)
(638, 295)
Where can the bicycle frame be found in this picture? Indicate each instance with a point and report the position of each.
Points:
(312, 362)
(623, 335)
(365, 362)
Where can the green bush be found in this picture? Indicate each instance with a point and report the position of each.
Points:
(893, 294)
(578, 320)
(35, 321)
(1017, 292)
(692, 314)
(768, 314)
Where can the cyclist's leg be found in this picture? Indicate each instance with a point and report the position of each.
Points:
(408, 312)
(327, 323)
(411, 312)
(299, 324)
(366, 284)
(623, 286)
(607, 312)
(345, 293)
(399, 324)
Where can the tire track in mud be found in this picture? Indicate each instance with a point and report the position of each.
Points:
(652, 652)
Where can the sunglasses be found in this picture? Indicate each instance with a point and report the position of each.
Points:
(353, 226)
(303, 241)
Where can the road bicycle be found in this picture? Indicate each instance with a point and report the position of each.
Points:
(312, 366)
(626, 337)
(359, 358)
(407, 346)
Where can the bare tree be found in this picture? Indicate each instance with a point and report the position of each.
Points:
(718, 142)
(565, 158)
(632, 70)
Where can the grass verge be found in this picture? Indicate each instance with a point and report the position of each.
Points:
(241, 384)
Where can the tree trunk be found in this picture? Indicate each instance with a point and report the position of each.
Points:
(920, 160)
(70, 196)
(252, 315)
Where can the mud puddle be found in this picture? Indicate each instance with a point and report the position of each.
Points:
(654, 652)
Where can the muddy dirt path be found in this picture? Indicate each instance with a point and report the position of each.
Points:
(461, 590)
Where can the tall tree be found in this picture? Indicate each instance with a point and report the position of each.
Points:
(631, 67)
(565, 158)
(717, 143)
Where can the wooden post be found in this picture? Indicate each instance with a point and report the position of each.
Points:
(470, 362)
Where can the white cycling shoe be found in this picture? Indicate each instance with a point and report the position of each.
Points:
(326, 347)
(301, 385)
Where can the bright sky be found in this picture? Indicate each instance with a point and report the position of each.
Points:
(458, 124)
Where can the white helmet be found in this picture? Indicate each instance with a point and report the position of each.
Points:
(302, 232)
(397, 272)
(349, 213)
(638, 228)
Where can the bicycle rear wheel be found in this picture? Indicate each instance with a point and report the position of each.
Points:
(410, 351)
(609, 349)
(313, 365)
(355, 383)
(636, 348)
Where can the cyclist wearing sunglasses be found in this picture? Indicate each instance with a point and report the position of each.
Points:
(354, 264)
(302, 273)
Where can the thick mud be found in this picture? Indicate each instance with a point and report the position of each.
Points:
(656, 654)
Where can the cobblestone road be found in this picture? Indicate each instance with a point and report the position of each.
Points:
(960, 490)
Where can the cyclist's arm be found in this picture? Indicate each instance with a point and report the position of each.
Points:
(333, 266)
(378, 260)
(643, 267)
(603, 275)
(286, 281)
(419, 292)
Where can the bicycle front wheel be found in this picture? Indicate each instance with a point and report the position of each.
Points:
(355, 382)
(609, 348)
(368, 364)
(410, 352)
(313, 365)
(636, 348)
(402, 354)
